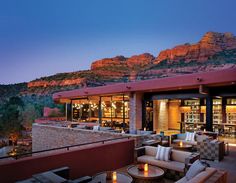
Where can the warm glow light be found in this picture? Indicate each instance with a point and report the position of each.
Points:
(185, 109)
(145, 167)
(145, 173)
(181, 144)
(114, 176)
(231, 109)
(144, 129)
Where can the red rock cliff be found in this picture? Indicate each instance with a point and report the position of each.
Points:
(210, 44)
(107, 62)
(140, 60)
(65, 82)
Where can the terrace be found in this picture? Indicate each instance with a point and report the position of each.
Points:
(83, 163)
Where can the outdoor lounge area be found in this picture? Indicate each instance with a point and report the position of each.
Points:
(116, 161)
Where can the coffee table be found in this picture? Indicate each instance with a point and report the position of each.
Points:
(121, 178)
(183, 147)
(154, 174)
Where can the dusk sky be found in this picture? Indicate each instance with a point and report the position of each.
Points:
(44, 37)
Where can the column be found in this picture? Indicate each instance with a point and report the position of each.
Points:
(69, 112)
(135, 116)
(209, 111)
(100, 111)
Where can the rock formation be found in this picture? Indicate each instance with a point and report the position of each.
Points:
(140, 60)
(214, 51)
(107, 62)
(66, 82)
(209, 45)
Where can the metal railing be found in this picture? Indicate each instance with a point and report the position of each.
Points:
(17, 156)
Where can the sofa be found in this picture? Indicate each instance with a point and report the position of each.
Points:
(176, 138)
(175, 168)
(209, 175)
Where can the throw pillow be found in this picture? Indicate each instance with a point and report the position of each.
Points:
(96, 128)
(190, 136)
(163, 153)
(195, 169)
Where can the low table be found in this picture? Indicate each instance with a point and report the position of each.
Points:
(183, 147)
(121, 178)
(154, 174)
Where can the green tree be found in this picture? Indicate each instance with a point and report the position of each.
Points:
(11, 117)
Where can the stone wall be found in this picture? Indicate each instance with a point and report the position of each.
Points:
(135, 104)
(174, 115)
(160, 115)
(47, 137)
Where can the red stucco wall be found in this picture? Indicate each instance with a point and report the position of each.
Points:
(83, 161)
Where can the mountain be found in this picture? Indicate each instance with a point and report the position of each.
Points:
(210, 44)
(214, 51)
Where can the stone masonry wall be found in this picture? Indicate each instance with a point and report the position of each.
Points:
(47, 137)
(135, 111)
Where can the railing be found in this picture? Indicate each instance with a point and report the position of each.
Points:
(60, 148)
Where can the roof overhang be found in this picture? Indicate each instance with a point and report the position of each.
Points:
(222, 77)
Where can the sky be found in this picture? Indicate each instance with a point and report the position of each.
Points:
(44, 37)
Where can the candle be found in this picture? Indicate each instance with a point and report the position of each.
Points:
(144, 129)
(181, 143)
(114, 176)
(146, 167)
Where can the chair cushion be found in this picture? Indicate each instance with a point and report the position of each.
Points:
(179, 156)
(195, 169)
(150, 150)
(203, 176)
(163, 153)
(201, 138)
(171, 165)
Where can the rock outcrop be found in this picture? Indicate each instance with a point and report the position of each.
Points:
(108, 62)
(66, 82)
(121, 61)
(209, 45)
(140, 60)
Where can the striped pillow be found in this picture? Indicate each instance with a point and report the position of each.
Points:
(163, 153)
(190, 136)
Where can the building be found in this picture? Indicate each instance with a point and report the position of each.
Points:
(197, 101)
